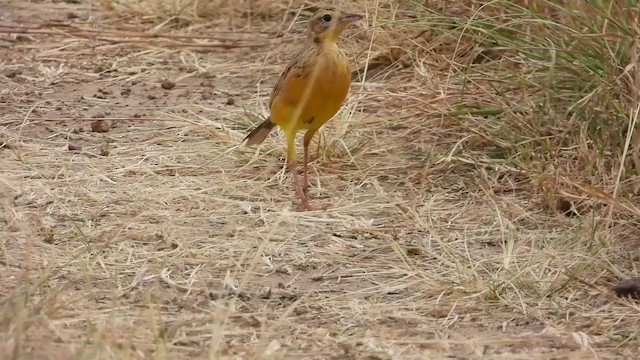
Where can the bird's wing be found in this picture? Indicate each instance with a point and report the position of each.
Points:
(292, 77)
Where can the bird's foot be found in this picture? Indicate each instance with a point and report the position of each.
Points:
(304, 205)
(302, 193)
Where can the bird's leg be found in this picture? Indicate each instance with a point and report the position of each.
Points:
(305, 171)
(306, 142)
(291, 164)
(293, 169)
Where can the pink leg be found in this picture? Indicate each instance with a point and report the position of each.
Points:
(291, 163)
(307, 141)
(299, 187)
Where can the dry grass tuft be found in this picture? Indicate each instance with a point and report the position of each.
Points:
(480, 183)
(177, 10)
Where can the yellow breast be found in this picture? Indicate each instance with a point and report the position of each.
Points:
(312, 91)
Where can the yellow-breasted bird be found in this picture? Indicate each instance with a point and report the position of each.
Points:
(310, 90)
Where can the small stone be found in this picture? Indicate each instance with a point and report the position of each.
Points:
(167, 85)
(100, 126)
(104, 149)
(566, 208)
(628, 288)
(74, 147)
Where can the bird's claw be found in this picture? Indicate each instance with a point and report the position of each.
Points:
(304, 206)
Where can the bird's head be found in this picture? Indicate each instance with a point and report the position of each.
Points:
(328, 23)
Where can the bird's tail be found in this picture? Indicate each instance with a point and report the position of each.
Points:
(257, 135)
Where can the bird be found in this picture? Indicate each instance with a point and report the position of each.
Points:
(310, 91)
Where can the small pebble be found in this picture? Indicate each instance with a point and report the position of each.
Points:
(167, 85)
(104, 149)
(100, 126)
(74, 147)
(628, 288)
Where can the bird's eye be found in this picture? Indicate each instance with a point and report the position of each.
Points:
(326, 18)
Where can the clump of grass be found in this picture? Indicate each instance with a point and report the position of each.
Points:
(177, 10)
(549, 87)
(188, 12)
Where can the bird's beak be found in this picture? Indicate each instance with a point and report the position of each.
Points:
(349, 18)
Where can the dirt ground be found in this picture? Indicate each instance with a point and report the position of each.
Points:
(134, 224)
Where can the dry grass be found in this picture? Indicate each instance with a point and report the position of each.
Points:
(163, 237)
